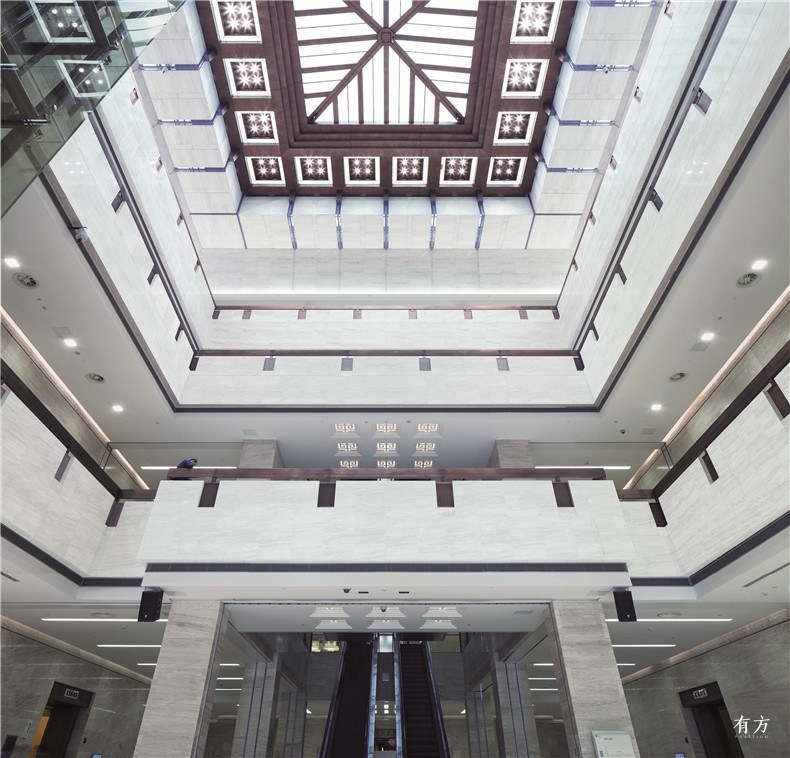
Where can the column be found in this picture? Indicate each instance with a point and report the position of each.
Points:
(518, 734)
(591, 695)
(260, 454)
(511, 454)
(179, 704)
(255, 724)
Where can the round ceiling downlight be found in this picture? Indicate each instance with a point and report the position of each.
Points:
(678, 377)
(96, 378)
(25, 280)
(748, 279)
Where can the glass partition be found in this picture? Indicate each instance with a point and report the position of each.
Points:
(58, 60)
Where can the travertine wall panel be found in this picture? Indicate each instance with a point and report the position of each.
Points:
(65, 519)
(751, 683)
(116, 709)
(750, 457)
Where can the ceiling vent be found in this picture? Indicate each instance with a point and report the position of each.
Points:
(25, 280)
(747, 280)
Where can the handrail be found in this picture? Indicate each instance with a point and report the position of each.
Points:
(436, 703)
(329, 729)
(429, 474)
(374, 669)
(398, 697)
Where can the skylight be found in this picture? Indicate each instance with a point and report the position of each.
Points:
(360, 65)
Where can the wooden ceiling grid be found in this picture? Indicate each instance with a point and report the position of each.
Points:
(299, 136)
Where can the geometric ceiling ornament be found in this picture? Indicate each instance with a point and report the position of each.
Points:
(514, 128)
(535, 22)
(62, 22)
(363, 171)
(524, 77)
(236, 20)
(375, 69)
(507, 172)
(311, 170)
(256, 127)
(265, 170)
(458, 170)
(410, 171)
(247, 77)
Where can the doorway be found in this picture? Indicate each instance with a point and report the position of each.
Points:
(62, 722)
(712, 719)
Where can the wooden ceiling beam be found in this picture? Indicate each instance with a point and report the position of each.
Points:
(429, 85)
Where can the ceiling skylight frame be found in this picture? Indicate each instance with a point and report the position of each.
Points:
(465, 166)
(246, 127)
(235, 84)
(322, 164)
(515, 177)
(532, 9)
(522, 124)
(67, 65)
(350, 167)
(516, 68)
(218, 7)
(278, 177)
(72, 16)
(410, 164)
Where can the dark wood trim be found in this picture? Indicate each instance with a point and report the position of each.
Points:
(562, 494)
(725, 418)
(419, 352)
(326, 495)
(57, 429)
(208, 495)
(777, 399)
(641, 495)
(658, 513)
(114, 514)
(444, 495)
(707, 464)
(137, 495)
(337, 474)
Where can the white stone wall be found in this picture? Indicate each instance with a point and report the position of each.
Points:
(65, 519)
(751, 458)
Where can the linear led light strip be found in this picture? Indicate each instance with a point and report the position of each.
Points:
(651, 621)
(99, 620)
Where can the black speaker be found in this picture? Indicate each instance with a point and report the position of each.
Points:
(150, 605)
(625, 605)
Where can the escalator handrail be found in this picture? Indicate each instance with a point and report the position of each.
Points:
(398, 697)
(371, 726)
(329, 729)
(444, 747)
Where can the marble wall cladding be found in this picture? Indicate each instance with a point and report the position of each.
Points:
(445, 330)
(491, 521)
(30, 668)
(452, 380)
(117, 553)
(552, 740)
(176, 718)
(66, 518)
(706, 519)
(591, 695)
(702, 154)
(663, 70)
(117, 242)
(754, 683)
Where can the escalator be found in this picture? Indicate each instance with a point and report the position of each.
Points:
(423, 727)
(346, 734)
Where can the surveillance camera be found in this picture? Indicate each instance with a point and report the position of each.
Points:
(383, 608)
(346, 590)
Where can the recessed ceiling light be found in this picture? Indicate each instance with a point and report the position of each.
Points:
(12, 263)
(118, 408)
(94, 377)
(669, 615)
(658, 645)
(678, 376)
(105, 645)
(656, 407)
(70, 342)
(707, 337)
(759, 265)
